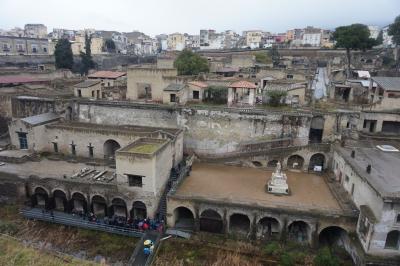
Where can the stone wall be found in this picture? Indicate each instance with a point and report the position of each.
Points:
(207, 131)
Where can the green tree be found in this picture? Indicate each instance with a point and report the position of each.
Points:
(86, 57)
(274, 54)
(189, 63)
(109, 46)
(63, 54)
(353, 37)
(379, 39)
(394, 31)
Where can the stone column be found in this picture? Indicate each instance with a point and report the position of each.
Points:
(196, 219)
(251, 97)
(314, 241)
(253, 227)
(284, 232)
(225, 223)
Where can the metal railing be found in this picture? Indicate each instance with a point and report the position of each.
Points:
(68, 219)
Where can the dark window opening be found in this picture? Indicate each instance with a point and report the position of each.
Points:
(196, 95)
(73, 149)
(55, 146)
(93, 94)
(172, 98)
(23, 140)
(398, 218)
(135, 180)
(289, 76)
(346, 178)
(79, 93)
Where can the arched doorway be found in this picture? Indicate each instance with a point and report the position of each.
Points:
(393, 240)
(118, 208)
(184, 218)
(69, 113)
(211, 221)
(317, 159)
(60, 200)
(40, 198)
(99, 206)
(295, 162)
(316, 129)
(139, 210)
(109, 149)
(268, 227)
(299, 231)
(272, 163)
(332, 236)
(79, 203)
(239, 223)
(257, 164)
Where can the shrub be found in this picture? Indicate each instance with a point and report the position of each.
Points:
(286, 259)
(272, 248)
(276, 97)
(325, 258)
(216, 95)
(8, 228)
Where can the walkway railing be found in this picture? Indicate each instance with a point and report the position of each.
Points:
(77, 221)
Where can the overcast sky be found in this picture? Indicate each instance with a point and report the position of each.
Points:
(168, 16)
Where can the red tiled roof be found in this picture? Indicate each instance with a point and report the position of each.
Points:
(243, 84)
(198, 84)
(19, 79)
(107, 74)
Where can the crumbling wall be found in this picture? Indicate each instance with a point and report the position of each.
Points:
(207, 131)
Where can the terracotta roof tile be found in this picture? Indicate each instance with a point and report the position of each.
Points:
(243, 84)
(107, 74)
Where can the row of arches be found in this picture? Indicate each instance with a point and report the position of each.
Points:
(297, 162)
(97, 205)
(266, 227)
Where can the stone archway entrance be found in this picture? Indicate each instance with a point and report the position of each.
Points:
(184, 218)
(317, 159)
(139, 210)
(299, 231)
(109, 149)
(239, 223)
(40, 198)
(295, 162)
(99, 206)
(211, 221)
(268, 227)
(60, 200)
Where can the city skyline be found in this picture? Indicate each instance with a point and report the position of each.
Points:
(241, 15)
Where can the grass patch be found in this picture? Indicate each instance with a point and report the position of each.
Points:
(14, 253)
(145, 148)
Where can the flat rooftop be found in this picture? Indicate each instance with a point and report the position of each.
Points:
(146, 146)
(57, 169)
(385, 167)
(242, 185)
(127, 129)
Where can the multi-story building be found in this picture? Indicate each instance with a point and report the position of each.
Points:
(176, 42)
(253, 38)
(374, 31)
(387, 39)
(312, 37)
(35, 31)
(24, 46)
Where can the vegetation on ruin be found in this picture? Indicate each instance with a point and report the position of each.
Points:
(263, 57)
(353, 37)
(68, 240)
(63, 54)
(189, 63)
(12, 252)
(144, 148)
(211, 249)
(109, 46)
(276, 97)
(216, 95)
(87, 62)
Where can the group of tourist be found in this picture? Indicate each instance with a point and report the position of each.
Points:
(121, 221)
